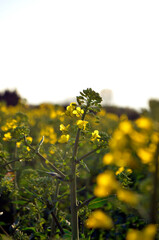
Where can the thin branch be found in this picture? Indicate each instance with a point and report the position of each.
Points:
(44, 159)
(3, 230)
(86, 202)
(12, 162)
(57, 223)
(87, 154)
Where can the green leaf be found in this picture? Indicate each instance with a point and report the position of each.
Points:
(21, 202)
(97, 203)
(67, 235)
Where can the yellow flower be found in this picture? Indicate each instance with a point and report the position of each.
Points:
(134, 234)
(18, 144)
(127, 196)
(82, 124)
(64, 138)
(106, 184)
(95, 135)
(126, 127)
(148, 233)
(129, 170)
(7, 136)
(78, 112)
(108, 158)
(70, 109)
(144, 123)
(98, 219)
(28, 149)
(120, 170)
(29, 139)
(145, 154)
(63, 128)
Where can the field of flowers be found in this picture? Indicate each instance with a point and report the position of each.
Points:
(78, 172)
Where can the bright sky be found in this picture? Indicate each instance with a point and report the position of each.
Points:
(51, 50)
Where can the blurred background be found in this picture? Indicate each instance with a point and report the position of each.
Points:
(52, 50)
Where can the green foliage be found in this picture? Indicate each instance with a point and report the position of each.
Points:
(37, 175)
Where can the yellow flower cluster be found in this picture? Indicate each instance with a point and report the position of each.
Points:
(98, 219)
(10, 124)
(107, 184)
(128, 140)
(64, 137)
(148, 233)
(73, 110)
(7, 136)
(49, 133)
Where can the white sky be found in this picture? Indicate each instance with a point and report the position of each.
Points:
(51, 50)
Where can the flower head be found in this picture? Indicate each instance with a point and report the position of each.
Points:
(82, 124)
(64, 138)
(98, 219)
(95, 135)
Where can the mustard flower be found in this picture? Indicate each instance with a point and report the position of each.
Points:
(127, 196)
(64, 138)
(70, 109)
(148, 233)
(78, 112)
(7, 136)
(106, 184)
(82, 124)
(63, 128)
(98, 219)
(95, 135)
(120, 170)
(144, 123)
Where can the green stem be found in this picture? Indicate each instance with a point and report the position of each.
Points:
(87, 154)
(73, 192)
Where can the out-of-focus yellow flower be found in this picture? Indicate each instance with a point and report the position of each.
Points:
(18, 144)
(78, 112)
(98, 219)
(126, 127)
(138, 138)
(120, 170)
(28, 149)
(148, 233)
(63, 128)
(7, 136)
(155, 137)
(108, 158)
(95, 135)
(29, 139)
(49, 133)
(124, 159)
(145, 154)
(129, 170)
(106, 184)
(127, 196)
(134, 234)
(82, 124)
(51, 151)
(144, 123)
(118, 140)
(64, 138)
